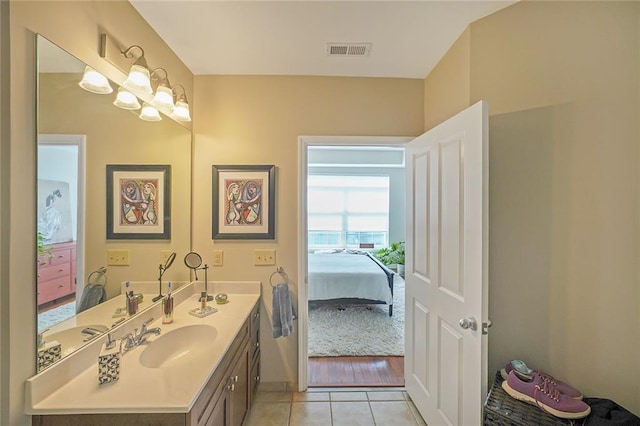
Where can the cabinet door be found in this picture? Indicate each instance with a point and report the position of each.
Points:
(254, 379)
(220, 413)
(239, 395)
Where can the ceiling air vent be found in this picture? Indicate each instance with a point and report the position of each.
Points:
(348, 49)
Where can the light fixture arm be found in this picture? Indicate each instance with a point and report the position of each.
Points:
(162, 80)
(180, 97)
(140, 59)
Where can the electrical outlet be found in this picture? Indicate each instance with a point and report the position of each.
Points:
(118, 257)
(264, 257)
(164, 255)
(218, 256)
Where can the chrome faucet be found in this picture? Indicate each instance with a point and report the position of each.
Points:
(90, 333)
(131, 340)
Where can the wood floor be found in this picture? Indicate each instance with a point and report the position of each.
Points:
(356, 371)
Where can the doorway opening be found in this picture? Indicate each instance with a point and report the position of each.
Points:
(352, 207)
(60, 226)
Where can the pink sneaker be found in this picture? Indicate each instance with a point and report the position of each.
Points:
(522, 370)
(539, 391)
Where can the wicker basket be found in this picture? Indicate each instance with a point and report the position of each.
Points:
(501, 409)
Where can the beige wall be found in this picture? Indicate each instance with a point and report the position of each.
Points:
(5, 202)
(76, 27)
(447, 89)
(257, 120)
(561, 80)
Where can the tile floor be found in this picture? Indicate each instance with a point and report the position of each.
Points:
(334, 408)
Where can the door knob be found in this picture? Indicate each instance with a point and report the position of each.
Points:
(470, 323)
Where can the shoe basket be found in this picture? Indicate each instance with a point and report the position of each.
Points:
(501, 409)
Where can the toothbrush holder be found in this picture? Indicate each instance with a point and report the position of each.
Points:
(167, 310)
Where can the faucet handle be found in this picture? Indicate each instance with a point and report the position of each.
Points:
(129, 341)
(145, 324)
(40, 338)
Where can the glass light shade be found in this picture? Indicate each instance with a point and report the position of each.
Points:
(94, 82)
(149, 113)
(181, 111)
(126, 100)
(138, 80)
(163, 97)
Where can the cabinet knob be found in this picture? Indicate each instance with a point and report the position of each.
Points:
(235, 379)
(257, 344)
(231, 387)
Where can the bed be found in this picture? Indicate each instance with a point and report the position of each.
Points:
(350, 277)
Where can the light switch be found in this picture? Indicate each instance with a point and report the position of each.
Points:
(263, 257)
(118, 257)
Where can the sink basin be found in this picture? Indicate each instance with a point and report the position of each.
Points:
(188, 344)
(72, 338)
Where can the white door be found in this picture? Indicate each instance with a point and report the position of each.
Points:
(446, 269)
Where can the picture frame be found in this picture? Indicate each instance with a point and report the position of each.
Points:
(243, 202)
(138, 202)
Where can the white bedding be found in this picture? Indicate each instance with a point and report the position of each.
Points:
(346, 275)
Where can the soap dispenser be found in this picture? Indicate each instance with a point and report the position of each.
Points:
(109, 362)
(48, 352)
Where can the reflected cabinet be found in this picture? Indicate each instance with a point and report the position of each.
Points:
(57, 272)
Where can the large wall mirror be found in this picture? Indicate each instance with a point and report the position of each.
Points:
(79, 134)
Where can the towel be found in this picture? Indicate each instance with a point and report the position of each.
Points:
(283, 311)
(92, 295)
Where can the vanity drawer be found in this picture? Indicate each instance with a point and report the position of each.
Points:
(60, 256)
(53, 289)
(53, 272)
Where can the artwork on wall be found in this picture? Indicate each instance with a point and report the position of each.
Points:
(138, 202)
(54, 211)
(244, 202)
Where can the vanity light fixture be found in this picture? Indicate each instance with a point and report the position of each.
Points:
(126, 100)
(181, 110)
(94, 82)
(149, 113)
(149, 86)
(164, 95)
(139, 78)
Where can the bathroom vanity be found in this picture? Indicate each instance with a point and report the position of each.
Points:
(198, 371)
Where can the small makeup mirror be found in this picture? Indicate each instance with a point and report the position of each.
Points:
(194, 261)
(162, 269)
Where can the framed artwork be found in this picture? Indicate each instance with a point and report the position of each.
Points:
(138, 202)
(55, 222)
(244, 202)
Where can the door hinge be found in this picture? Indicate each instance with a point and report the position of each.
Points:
(485, 327)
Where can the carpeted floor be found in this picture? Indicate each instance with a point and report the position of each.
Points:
(358, 330)
(56, 315)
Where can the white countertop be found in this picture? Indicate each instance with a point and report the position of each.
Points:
(141, 389)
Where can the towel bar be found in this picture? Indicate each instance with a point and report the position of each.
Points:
(283, 274)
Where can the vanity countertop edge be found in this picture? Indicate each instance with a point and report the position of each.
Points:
(149, 390)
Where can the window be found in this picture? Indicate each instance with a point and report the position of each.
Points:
(344, 211)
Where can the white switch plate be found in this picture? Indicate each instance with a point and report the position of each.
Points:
(118, 257)
(218, 257)
(263, 257)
